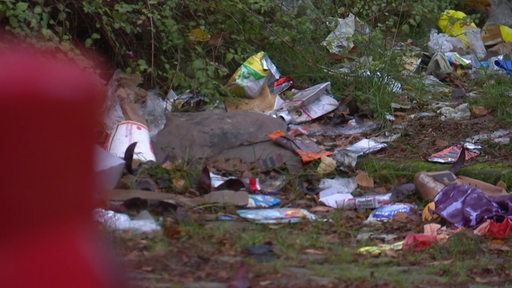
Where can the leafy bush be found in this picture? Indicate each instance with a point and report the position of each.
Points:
(172, 43)
(396, 16)
(198, 44)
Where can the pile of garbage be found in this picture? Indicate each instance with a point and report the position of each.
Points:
(270, 127)
(250, 146)
(244, 151)
(156, 153)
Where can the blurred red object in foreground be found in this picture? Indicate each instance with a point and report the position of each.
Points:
(49, 108)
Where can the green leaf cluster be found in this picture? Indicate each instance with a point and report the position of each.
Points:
(198, 45)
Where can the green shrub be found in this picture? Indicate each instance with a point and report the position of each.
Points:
(198, 44)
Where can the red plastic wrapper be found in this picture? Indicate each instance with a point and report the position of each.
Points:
(496, 229)
(418, 242)
(450, 154)
(500, 230)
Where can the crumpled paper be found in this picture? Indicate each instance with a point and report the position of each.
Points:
(340, 39)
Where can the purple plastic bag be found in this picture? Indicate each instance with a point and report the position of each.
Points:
(468, 206)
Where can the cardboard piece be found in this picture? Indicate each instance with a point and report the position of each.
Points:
(129, 108)
(263, 103)
(120, 104)
(491, 35)
(489, 189)
(428, 184)
(126, 194)
(502, 48)
(238, 198)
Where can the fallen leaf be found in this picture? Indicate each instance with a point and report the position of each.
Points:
(178, 183)
(168, 165)
(172, 230)
(445, 262)
(319, 209)
(400, 216)
(390, 253)
(497, 241)
(314, 251)
(441, 143)
(198, 35)
(400, 114)
(497, 247)
(487, 280)
(364, 180)
(479, 111)
(502, 184)
(216, 39)
(360, 215)
(327, 165)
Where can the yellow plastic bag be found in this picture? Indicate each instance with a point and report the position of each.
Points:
(450, 25)
(506, 33)
(249, 78)
(455, 23)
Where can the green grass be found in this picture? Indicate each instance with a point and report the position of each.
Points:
(390, 170)
(496, 95)
(328, 250)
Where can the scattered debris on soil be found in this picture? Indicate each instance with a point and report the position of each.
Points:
(289, 187)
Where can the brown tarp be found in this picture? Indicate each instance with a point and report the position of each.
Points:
(231, 141)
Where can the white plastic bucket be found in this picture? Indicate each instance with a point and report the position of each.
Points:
(127, 132)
